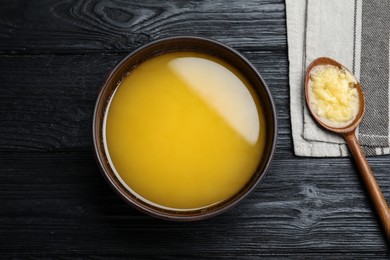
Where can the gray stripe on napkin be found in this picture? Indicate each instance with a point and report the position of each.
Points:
(354, 37)
(371, 151)
(374, 72)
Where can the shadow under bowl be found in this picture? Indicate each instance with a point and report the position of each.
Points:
(175, 44)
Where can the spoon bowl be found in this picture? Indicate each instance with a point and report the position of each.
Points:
(323, 61)
(349, 133)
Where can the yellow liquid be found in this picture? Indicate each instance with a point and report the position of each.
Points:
(184, 131)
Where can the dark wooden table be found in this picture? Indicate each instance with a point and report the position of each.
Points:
(54, 56)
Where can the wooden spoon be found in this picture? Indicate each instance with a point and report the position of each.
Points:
(348, 132)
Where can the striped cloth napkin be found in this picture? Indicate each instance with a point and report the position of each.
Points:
(356, 33)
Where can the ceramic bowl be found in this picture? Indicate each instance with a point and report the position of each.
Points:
(175, 44)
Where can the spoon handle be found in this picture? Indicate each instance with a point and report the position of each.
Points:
(372, 187)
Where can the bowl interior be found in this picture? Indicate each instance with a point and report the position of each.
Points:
(173, 45)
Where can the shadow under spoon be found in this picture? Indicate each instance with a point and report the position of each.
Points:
(349, 134)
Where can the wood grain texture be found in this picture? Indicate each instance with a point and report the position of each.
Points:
(64, 207)
(54, 203)
(47, 101)
(368, 179)
(63, 26)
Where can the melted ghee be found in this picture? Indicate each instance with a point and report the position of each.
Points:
(184, 131)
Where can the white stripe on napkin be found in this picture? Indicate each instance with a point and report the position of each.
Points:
(296, 19)
(329, 33)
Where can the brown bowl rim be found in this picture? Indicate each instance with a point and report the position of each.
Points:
(220, 207)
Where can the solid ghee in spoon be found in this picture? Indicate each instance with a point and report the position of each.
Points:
(184, 130)
(333, 95)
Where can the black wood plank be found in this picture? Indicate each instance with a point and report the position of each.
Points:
(47, 101)
(54, 203)
(57, 204)
(63, 26)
